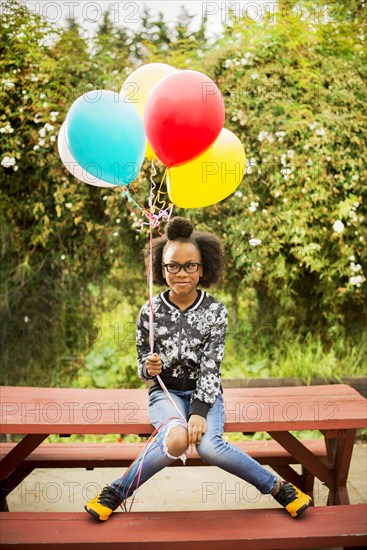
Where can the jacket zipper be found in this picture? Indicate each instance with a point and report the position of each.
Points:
(179, 350)
(180, 338)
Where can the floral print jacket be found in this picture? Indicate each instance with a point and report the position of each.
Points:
(190, 344)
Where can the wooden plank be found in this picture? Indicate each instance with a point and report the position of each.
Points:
(90, 455)
(358, 383)
(319, 527)
(74, 410)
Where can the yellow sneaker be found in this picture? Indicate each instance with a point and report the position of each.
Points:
(293, 500)
(102, 506)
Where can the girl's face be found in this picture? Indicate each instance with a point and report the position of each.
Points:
(182, 283)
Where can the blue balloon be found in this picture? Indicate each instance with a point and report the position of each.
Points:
(106, 136)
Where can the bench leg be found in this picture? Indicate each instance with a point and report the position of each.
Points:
(3, 505)
(339, 445)
(287, 473)
(14, 479)
(308, 482)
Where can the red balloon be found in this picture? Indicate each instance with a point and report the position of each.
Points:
(183, 116)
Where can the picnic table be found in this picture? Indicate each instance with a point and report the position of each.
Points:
(335, 410)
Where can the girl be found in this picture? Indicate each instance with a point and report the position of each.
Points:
(189, 329)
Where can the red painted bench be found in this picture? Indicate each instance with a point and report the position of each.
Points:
(115, 455)
(320, 527)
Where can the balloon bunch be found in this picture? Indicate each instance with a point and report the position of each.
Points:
(174, 115)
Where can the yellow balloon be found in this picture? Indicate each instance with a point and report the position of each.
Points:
(149, 153)
(138, 85)
(211, 177)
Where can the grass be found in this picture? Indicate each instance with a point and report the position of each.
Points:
(299, 356)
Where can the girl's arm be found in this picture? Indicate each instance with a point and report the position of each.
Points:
(208, 382)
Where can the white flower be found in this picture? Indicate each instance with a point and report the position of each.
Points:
(255, 76)
(265, 135)
(355, 267)
(253, 206)
(118, 220)
(280, 136)
(62, 256)
(116, 234)
(228, 63)
(7, 162)
(68, 204)
(26, 319)
(238, 194)
(254, 242)
(290, 153)
(7, 129)
(357, 280)
(320, 132)
(338, 226)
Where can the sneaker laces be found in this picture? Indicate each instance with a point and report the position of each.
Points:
(286, 494)
(108, 498)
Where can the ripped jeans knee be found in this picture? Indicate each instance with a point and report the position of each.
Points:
(173, 441)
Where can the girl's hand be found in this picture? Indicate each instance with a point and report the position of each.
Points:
(197, 428)
(154, 364)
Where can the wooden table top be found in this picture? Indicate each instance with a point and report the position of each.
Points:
(33, 410)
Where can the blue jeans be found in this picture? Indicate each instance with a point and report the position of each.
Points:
(212, 448)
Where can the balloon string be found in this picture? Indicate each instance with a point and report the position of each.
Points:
(150, 286)
(150, 270)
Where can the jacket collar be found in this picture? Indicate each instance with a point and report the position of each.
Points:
(199, 300)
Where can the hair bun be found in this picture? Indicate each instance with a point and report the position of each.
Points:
(178, 227)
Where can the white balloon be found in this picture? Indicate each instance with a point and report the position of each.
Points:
(89, 174)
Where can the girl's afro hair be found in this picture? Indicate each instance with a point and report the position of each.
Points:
(180, 229)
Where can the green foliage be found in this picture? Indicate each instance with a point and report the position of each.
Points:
(57, 234)
(252, 353)
(302, 124)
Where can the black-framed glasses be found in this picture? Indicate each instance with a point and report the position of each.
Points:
(189, 267)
